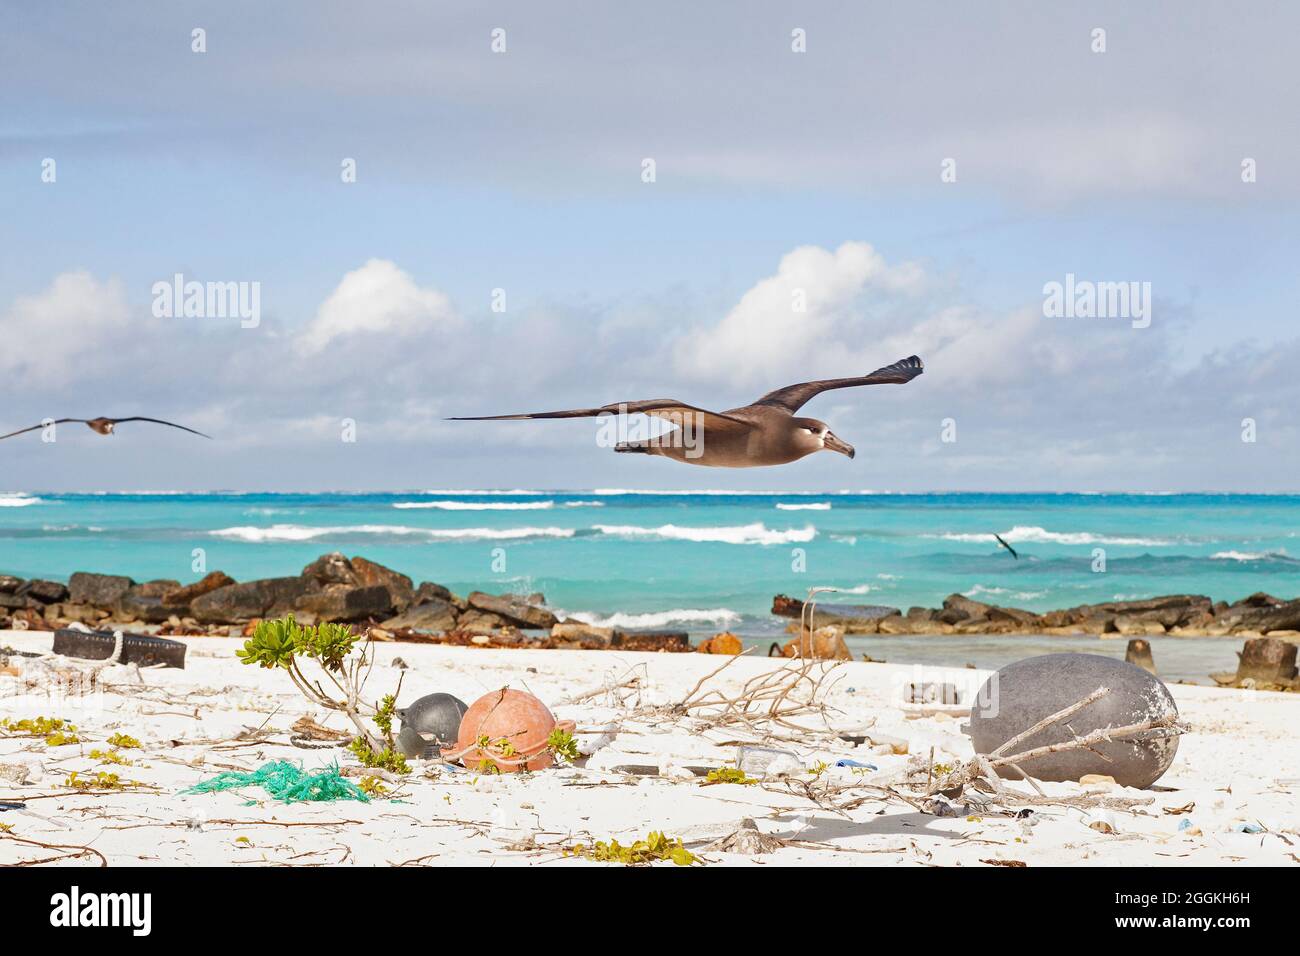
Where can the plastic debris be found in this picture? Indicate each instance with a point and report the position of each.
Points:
(856, 763)
(288, 782)
(430, 724)
(768, 761)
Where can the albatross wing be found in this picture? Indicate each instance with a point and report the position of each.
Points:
(794, 397)
(668, 409)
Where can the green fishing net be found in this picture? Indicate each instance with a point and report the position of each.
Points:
(288, 782)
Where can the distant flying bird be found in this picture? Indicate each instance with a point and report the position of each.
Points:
(1007, 546)
(103, 426)
(765, 433)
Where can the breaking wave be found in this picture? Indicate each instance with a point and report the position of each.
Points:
(816, 506)
(294, 532)
(20, 501)
(756, 533)
(1036, 535)
(720, 615)
(478, 505)
(1251, 556)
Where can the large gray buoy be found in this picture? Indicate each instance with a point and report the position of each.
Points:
(1021, 694)
(429, 724)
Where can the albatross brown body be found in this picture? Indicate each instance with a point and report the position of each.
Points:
(768, 432)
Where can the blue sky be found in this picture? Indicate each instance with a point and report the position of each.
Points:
(521, 170)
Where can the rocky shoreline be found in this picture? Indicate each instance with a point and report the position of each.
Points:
(1177, 615)
(362, 592)
(332, 588)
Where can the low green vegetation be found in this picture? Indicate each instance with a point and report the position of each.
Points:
(56, 731)
(729, 775)
(284, 643)
(654, 848)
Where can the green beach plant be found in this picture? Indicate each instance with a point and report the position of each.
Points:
(286, 644)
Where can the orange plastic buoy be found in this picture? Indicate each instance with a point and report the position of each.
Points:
(516, 726)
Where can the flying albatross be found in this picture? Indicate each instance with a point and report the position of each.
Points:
(103, 426)
(768, 432)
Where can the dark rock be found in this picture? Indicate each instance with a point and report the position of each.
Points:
(157, 587)
(579, 634)
(1066, 618)
(429, 724)
(1171, 610)
(14, 602)
(1258, 599)
(960, 608)
(651, 640)
(899, 625)
(513, 610)
(343, 602)
(47, 592)
(480, 622)
(1021, 694)
(428, 591)
(1267, 660)
(182, 596)
(80, 612)
(1283, 617)
(9, 584)
(332, 568)
(920, 614)
(852, 618)
(1016, 618)
(145, 603)
(434, 615)
(237, 603)
(101, 590)
(370, 574)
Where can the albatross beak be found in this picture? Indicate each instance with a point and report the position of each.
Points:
(833, 443)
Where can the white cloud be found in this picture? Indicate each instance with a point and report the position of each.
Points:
(378, 298)
(76, 323)
(766, 337)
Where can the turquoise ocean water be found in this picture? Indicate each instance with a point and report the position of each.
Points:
(691, 560)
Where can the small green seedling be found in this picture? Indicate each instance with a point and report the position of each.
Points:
(284, 643)
(110, 756)
(101, 781)
(562, 745)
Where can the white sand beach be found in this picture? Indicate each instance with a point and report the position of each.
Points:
(1236, 770)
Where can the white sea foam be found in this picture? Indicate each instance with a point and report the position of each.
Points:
(20, 501)
(293, 532)
(477, 505)
(467, 492)
(858, 589)
(815, 506)
(1249, 555)
(1035, 535)
(717, 616)
(756, 533)
(1019, 595)
(584, 504)
(608, 492)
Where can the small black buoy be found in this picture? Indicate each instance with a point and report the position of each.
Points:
(429, 724)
